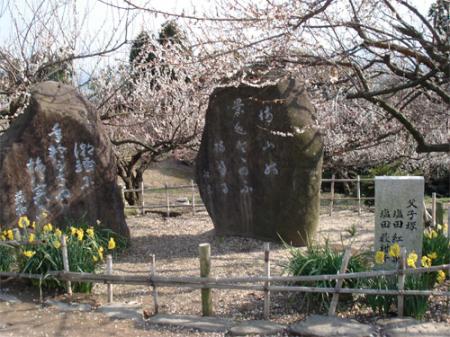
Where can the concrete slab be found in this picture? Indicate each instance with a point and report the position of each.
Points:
(9, 298)
(122, 311)
(329, 326)
(206, 324)
(400, 327)
(68, 307)
(260, 328)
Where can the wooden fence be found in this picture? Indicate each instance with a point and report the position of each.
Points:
(194, 202)
(264, 283)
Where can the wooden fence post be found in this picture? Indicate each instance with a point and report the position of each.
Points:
(332, 194)
(267, 283)
(205, 268)
(433, 209)
(167, 200)
(154, 291)
(448, 224)
(109, 271)
(358, 193)
(344, 264)
(193, 196)
(17, 235)
(142, 199)
(401, 282)
(65, 257)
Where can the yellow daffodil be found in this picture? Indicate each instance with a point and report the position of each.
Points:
(90, 232)
(433, 255)
(56, 244)
(2, 237)
(31, 237)
(47, 228)
(23, 222)
(430, 233)
(411, 260)
(33, 224)
(100, 253)
(426, 261)
(80, 234)
(58, 233)
(111, 244)
(10, 234)
(440, 277)
(445, 228)
(29, 253)
(394, 250)
(73, 231)
(95, 258)
(379, 257)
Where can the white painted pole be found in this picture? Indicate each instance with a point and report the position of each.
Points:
(109, 271)
(65, 257)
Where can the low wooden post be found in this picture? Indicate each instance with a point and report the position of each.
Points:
(17, 235)
(167, 200)
(358, 193)
(205, 268)
(440, 213)
(332, 194)
(193, 196)
(433, 209)
(154, 291)
(267, 283)
(344, 264)
(109, 271)
(65, 257)
(401, 282)
(142, 199)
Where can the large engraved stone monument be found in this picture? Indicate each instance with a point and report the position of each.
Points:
(259, 165)
(56, 159)
(399, 214)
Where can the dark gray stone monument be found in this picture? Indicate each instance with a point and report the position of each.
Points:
(57, 159)
(259, 165)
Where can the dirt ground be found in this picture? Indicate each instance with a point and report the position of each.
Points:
(175, 242)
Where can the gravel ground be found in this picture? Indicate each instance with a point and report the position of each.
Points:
(175, 242)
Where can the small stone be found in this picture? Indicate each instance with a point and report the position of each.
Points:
(260, 328)
(329, 326)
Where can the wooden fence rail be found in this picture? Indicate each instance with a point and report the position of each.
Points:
(265, 283)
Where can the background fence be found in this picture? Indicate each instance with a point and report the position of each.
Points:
(168, 198)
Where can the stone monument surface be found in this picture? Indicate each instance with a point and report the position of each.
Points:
(259, 165)
(399, 214)
(57, 159)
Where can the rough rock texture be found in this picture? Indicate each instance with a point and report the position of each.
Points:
(260, 162)
(399, 327)
(56, 158)
(329, 326)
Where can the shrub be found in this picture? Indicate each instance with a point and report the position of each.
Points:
(317, 260)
